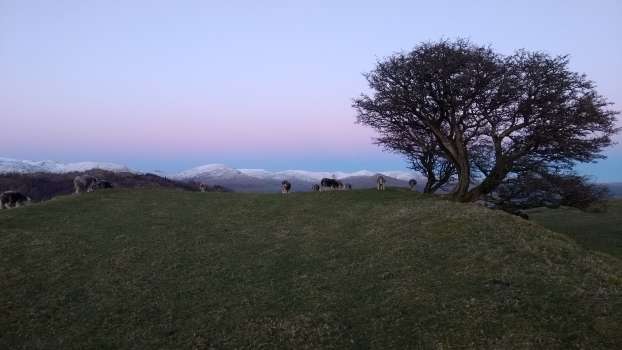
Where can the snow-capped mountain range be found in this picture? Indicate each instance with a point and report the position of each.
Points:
(261, 180)
(244, 180)
(218, 174)
(8, 165)
(223, 171)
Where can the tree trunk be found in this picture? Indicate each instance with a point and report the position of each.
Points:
(456, 152)
(428, 186)
(464, 175)
(430, 180)
(492, 181)
(464, 181)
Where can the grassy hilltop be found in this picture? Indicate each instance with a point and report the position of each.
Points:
(170, 269)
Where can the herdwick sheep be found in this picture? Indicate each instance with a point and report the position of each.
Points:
(412, 183)
(380, 183)
(88, 183)
(99, 185)
(12, 199)
(83, 183)
(286, 186)
(330, 184)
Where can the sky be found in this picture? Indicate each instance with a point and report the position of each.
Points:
(168, 85)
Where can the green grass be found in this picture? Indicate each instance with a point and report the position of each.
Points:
(596, 231)
(163, 269)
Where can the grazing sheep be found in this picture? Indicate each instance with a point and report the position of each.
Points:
(330, 184)
(12, 199)
(88, 183)
(380, 183)
(83, 183)
(315, 188)
(99, 185)
(412, 183)
(286, 186)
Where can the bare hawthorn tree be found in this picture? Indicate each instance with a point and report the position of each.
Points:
(488, 112)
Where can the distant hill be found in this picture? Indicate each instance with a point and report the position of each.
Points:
(615, 189)
(370, 181)
(9, 165)
(42, 186)
(245, 183)
(240, 180)
(259, 180)
(164, 269)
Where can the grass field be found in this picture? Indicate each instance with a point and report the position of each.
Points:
(158, 269)
(596, 231)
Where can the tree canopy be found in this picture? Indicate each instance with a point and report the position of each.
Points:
(486, 114)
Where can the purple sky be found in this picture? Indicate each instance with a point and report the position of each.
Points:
(174, 84)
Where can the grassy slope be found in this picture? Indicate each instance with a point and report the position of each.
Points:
(167, 269)
(597, 231)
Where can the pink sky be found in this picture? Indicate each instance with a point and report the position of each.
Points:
(164, 85)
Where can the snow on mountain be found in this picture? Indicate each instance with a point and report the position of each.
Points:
(212, 170)
(8, 165)
(401, 175)
(257, 173)
(84, 166)
(360, 173)
(209, 171)
(223, 171)
(303, 175)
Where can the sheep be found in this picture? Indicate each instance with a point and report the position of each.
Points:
(285, 186)
(380, 183)
(330, 184)
(12, 199)
(412, 183)
(99, 185)
(88, 183)
(83, 183)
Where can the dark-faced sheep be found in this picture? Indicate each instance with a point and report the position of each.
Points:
(380, 183)
(12, 199)
(99, 185)
(286, 186)
(412, 183)
(330, 184)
